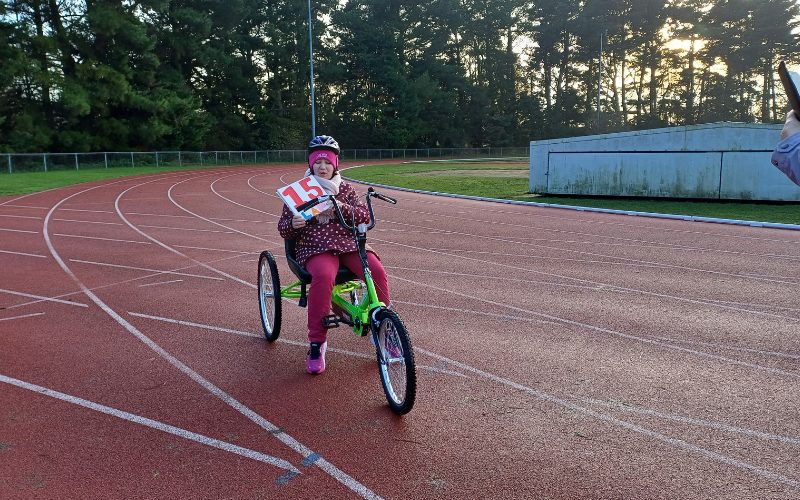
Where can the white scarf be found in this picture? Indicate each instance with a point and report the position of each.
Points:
(331, 187)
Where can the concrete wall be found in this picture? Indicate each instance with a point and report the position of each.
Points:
(718, 161)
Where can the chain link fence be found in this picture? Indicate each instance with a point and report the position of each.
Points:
(45, 162)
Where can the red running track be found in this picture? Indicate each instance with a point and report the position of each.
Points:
(562, 354)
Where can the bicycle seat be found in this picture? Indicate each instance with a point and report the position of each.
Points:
(344, 275)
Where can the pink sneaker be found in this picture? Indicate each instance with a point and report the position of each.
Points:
(315, 361)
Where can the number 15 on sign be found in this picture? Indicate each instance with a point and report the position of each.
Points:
(297, 193)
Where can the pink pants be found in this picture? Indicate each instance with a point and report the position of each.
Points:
(323, 268)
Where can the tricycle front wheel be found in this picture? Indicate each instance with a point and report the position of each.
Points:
(396, 362)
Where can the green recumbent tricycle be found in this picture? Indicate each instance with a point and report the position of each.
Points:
(354, 302)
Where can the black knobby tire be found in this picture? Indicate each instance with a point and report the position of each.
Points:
(398, 374)
(269, 296)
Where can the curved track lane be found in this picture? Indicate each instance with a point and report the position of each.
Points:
(562, 354)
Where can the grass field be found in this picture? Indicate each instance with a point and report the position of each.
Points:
(509, 180)
(33, 182)
(504, 180)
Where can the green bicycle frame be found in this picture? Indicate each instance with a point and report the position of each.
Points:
(359, 312)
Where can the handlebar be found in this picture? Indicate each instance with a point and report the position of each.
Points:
(371, 193)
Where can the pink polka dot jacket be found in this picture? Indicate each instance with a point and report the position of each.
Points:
(316, 237)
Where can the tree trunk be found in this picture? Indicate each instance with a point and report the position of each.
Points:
(64, 47)
(548, 84)
(624, 92)
(40, 55)
(689, 117)
(653, 97)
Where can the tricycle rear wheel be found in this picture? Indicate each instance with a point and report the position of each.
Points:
(269, 296)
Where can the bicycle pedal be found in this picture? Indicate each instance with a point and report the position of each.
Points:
(331, 321)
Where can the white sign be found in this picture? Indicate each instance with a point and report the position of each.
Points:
(297, 193)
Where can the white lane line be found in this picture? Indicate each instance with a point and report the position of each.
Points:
(18, 230)
(21, 216)
(187, 229)
(691, 421)
(608, 331)
(195, 325)
(159, 271)
(594, 287)
(795, 278)
(614, 288)
(12, 200)
(433, 201)
(24, 254)
(536, 320)
(43, 299)
(272, 195)
(214, 190)
(116, 283)
(26, 206)
(596, 254)
(23, 316)
(557, 259)
(100, 239)
(190, 217)
(160, 283)
(85, 210)
(626, 241)
(153, 424)
(172, 199)
(254, 417)
(609, 286)
(297, 343)
(172, 249)
(732, 348)
(89, 222)
(752, 304)
(159, 215)
(478, 313)
(679, 443)
(215, 249)
(628, 425)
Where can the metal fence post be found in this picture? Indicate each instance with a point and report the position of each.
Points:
(44, 158)
(133, 164)
(10, 170)
(180, 163)
(156, 159)
(105, 159)
(201, 158)
(76, 161)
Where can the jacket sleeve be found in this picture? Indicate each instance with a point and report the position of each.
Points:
(350, 203)
(285, 225)
(787, 157)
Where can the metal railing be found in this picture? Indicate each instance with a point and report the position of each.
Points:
(47, 162)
